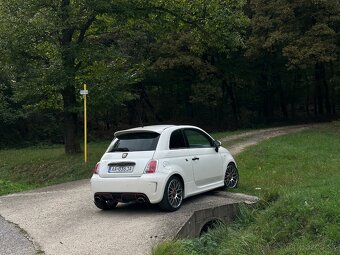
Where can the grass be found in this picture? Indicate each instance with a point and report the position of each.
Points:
(33, 167)
(297, 178)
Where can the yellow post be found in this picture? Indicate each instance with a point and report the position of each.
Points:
(85, 127)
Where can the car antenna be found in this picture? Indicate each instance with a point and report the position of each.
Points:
(140, 120)
(139, 111)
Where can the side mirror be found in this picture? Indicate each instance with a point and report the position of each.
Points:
(217, 145)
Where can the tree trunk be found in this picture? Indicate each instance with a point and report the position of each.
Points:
(315, 104)
(70, 121)
(326, 88)
(132, 112)
(267, 97)
(234, 105)
(70, 104)
(223, 107)
(145, 97)
(69, 92)
(293, 109)
(318, 89)
(307, 105)
(293, 95)
(333, 93)
(308, 90)
(282, 96)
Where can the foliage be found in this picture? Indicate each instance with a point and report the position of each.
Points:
(296, 177)
(217, 64)
(52, 48)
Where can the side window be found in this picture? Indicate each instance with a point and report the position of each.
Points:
(197, 139)
(177, 140)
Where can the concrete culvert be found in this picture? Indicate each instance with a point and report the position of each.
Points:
(210, 225)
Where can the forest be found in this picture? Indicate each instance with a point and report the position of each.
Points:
(218, 64)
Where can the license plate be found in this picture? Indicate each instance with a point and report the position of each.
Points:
(120, 169)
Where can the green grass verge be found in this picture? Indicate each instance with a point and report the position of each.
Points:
(297, 177)
(33, 167)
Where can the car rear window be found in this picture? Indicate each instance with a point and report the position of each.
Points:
(139, 141)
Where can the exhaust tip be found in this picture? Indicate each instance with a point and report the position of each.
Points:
(141, 200)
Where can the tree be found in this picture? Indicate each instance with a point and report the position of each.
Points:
(203, 37)
(313, 45)
(52, 48)
(141, 57)
(294, 37)
(57, 45)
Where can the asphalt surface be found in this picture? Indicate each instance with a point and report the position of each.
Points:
(65, 221)
(14, 240)
(62, 219)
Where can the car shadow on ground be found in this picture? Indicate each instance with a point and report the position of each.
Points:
(147, 208)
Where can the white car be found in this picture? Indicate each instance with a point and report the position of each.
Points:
(162, 165)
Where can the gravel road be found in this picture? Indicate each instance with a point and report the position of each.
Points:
(62, 219)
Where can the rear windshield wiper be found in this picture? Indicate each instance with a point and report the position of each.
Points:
(119, 149)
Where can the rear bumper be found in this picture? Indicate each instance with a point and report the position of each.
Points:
(151, 185)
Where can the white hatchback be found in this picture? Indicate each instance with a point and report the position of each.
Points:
(162, 165)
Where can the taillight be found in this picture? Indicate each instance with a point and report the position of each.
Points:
(96, 168)
(151, 167)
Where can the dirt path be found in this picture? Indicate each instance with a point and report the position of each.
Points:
(61, 219)
(253, 137)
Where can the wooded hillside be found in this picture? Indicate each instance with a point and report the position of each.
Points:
(216, 64)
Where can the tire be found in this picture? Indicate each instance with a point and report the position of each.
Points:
(173, 195)
(104, 204)
(231, 177)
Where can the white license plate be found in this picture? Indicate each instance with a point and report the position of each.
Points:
(120, 169)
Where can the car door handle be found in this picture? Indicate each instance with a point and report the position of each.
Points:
(195, 158)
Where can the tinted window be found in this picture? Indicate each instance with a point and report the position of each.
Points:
(141, 141)
(197, 139)
(177, 140)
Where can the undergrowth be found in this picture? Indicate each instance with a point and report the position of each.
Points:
(297, 178)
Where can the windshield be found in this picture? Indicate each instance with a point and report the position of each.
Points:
(141, 141)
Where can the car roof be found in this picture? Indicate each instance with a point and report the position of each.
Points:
(155, 128)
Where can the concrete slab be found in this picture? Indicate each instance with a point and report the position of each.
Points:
(63, 220)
